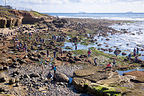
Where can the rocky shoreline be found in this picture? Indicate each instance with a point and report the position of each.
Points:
(28, 53)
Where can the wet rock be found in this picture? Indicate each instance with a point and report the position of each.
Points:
(110, 50)
(124, 53)
(142, 50)
(107, 46)
(60, 77)
(99, 44)
(67, 47)
(107, 39)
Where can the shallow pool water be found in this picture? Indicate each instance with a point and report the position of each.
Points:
(125, 42)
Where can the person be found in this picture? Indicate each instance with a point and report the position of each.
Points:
(89, 52)
(95, 61)
(136, 59)
(129, 57)
(75, 46)
(137, 50)
(54, 53)
(116, 52)
(109, 66)
(54, 68)
(134, 52)
(47, 53)
(114, 62)
(61, 51)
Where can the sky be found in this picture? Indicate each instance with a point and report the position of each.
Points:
(74, 6)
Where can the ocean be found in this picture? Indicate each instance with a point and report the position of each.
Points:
(110, 16)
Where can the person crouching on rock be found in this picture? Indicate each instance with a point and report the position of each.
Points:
(109, 66)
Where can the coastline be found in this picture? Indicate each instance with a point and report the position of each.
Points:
(32, 74)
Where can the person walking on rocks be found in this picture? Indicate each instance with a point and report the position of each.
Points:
(75, 46)
(129, 57)
(95, 61)
(54, 68)
(114, 62)
(54, 53)
(61, 51)
(89, 52)
(137, 51)
(47, 53)
(134, 52)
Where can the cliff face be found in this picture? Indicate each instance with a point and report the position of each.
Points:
(11, 17)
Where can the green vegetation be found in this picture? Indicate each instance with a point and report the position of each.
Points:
(109, 91)
(37, 14)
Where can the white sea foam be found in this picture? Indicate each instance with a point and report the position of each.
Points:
(107, 18)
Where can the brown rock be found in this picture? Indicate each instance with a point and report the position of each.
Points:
(139, 75)
(3, 23)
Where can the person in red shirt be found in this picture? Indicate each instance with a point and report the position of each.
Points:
(109, 66)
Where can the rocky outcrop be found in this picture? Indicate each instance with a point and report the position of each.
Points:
(13, 17)
(138, 74)
(3, 23)
(60, 77)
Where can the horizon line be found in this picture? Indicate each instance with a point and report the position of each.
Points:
(95, 12)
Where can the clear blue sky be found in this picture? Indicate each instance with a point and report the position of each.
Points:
(72, 6)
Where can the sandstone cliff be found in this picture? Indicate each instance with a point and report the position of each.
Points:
(11, 17)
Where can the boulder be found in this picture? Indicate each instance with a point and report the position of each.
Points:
(3, 23)
(11, 81)
(124, 53)
(34, 75)
(2, 79)
(77, 58)
(60, 77)
(83, 56)
(34, 58)
(84, 72)
(110, 50)
(71, 60)
(138, 74)
(79, 83)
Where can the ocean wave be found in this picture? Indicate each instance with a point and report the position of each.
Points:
(108, 18)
